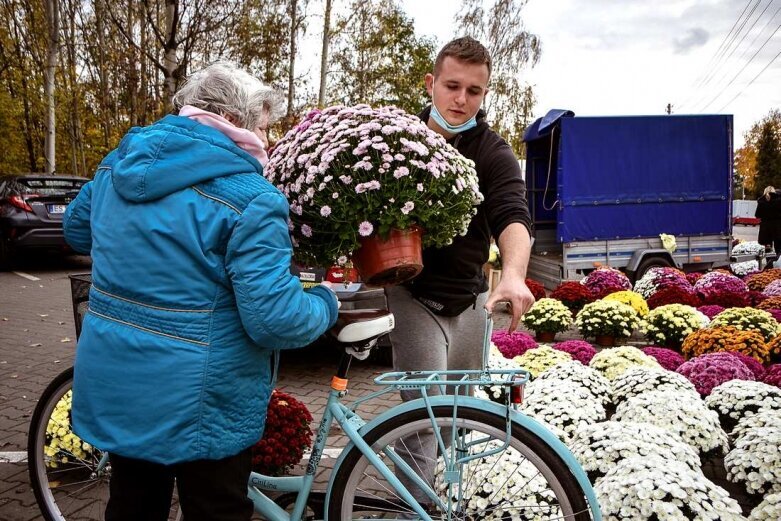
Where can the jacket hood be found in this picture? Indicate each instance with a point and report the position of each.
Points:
(172, 154)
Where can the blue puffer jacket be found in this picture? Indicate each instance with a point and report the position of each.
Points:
(191, 294)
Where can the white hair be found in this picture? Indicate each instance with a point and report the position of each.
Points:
(226, 89)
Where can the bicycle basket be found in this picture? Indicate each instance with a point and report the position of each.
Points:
(80, 285)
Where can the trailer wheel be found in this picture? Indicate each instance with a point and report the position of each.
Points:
(647, 264)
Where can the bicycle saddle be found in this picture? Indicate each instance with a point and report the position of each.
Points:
(361, 325)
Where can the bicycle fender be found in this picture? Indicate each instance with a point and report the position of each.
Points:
(529, 423)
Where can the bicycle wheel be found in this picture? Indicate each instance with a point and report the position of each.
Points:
(526, 480)
(69, 477)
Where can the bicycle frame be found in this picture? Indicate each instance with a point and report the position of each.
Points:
(450, 386)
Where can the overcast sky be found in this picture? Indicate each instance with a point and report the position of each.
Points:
(608, 57)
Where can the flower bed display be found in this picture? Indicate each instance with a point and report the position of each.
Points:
(674, 295)
(773, 289)
(581, 375)
(710, 311)
(725, 339)
(574, 295)
(709, 371)
(669, 325)
(562, 404)
(722, 289)
(350, 172)
(667, 358)
(608, 318)
(600, 446)
(606, 280)
(537, 289)
(737, 399)
(655, 489)
(541, 359)
(748, 319)
(768, 510)
(285, 438)
(548, 315)
(759, 281)
(657, 279)
(770, 303)
(741, 269)
(748, 248)
(640, 380)
(579, 350)
(632, 299)
(615, 361)
(772, 375)
(755, 460)
(681, 413)
(513, 344)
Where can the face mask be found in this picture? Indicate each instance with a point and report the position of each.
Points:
(470, 123)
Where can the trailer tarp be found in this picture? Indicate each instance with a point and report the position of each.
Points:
(639, 176)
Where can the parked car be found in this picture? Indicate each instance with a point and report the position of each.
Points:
(31, 210)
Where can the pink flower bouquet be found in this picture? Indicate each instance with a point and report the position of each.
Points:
(350, 172)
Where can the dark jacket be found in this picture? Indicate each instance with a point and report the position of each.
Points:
(455, 272)
(770, 213)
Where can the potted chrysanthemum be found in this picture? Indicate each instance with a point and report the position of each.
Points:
(373, 186)
(547, 317)
(606, 321)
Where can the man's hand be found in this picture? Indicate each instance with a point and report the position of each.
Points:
(513, 290)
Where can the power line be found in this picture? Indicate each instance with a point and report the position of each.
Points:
(726, 37)
(736, 47)
(741, 70)
(752, 81)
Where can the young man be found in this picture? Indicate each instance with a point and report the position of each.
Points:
(442, 311)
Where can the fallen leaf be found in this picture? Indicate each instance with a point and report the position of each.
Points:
(26, 330)
(61, 323)
(56, 361)
(5, 319)
(36, 345)
(65, 340)
(46, 315)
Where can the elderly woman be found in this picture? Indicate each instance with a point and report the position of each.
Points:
(191, 295)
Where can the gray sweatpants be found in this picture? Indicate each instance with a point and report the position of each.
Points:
(423, 341)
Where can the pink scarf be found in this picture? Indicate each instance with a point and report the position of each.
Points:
(244, 139)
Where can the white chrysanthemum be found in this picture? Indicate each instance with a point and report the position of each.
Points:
(679, 413)
(756, 460)
(763, 418)
(768, 510)
(496, 481)
(644, 488)
(496, 361)
(615, 361)
(641, 380)
(598, 447)
(565, 405)
(582, 375)
(736, 399)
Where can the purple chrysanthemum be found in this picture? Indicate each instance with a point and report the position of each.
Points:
(773, 375)
(580, 350)
(667, 358)
(513, 344)
(711, 310)
(709, 371)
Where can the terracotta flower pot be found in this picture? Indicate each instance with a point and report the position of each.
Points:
(392, 261)
(605, 340)
(545, 336)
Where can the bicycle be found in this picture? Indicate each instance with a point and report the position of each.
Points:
(493, 462)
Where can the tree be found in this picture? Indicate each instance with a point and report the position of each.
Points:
(52, 50)
(378, 59)
(512, 48)
(769, 154)
(324, 53)
(746, 157)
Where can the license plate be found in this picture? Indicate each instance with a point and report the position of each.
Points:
(57, 208)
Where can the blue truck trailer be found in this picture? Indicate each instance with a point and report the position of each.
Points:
(602, 190)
